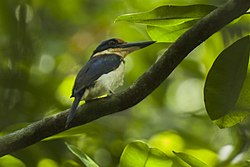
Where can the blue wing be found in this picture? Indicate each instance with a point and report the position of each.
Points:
(94, 68)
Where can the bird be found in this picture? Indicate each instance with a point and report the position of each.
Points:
(103, 73)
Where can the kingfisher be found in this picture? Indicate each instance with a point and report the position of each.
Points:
(103, 73)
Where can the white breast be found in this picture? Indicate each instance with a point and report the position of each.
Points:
(106, 83)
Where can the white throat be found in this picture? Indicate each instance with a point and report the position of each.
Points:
(117, 51)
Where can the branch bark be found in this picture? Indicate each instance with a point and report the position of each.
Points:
(147, 83)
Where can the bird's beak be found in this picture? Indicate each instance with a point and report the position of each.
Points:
(133, 46)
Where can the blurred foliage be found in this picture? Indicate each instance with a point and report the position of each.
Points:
(43, 44)
(9, 160)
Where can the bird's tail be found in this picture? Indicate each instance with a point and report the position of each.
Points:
(72, 111)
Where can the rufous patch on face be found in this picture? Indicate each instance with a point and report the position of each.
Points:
(120, 41)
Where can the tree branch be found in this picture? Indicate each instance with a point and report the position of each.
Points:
(147, 83)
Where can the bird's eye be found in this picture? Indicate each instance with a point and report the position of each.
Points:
(112, 43)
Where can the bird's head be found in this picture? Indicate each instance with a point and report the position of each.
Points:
(119, 47)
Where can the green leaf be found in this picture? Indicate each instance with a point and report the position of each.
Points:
(168, 14)
(86, 160)
(140, 155)
(224, 85)
(167, 23)
(169, 33)
(231, 119)
(191, 160)
(242, 107)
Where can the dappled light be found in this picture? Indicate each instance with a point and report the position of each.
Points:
(44, 44)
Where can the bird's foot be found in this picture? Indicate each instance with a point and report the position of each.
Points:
(104, 96)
